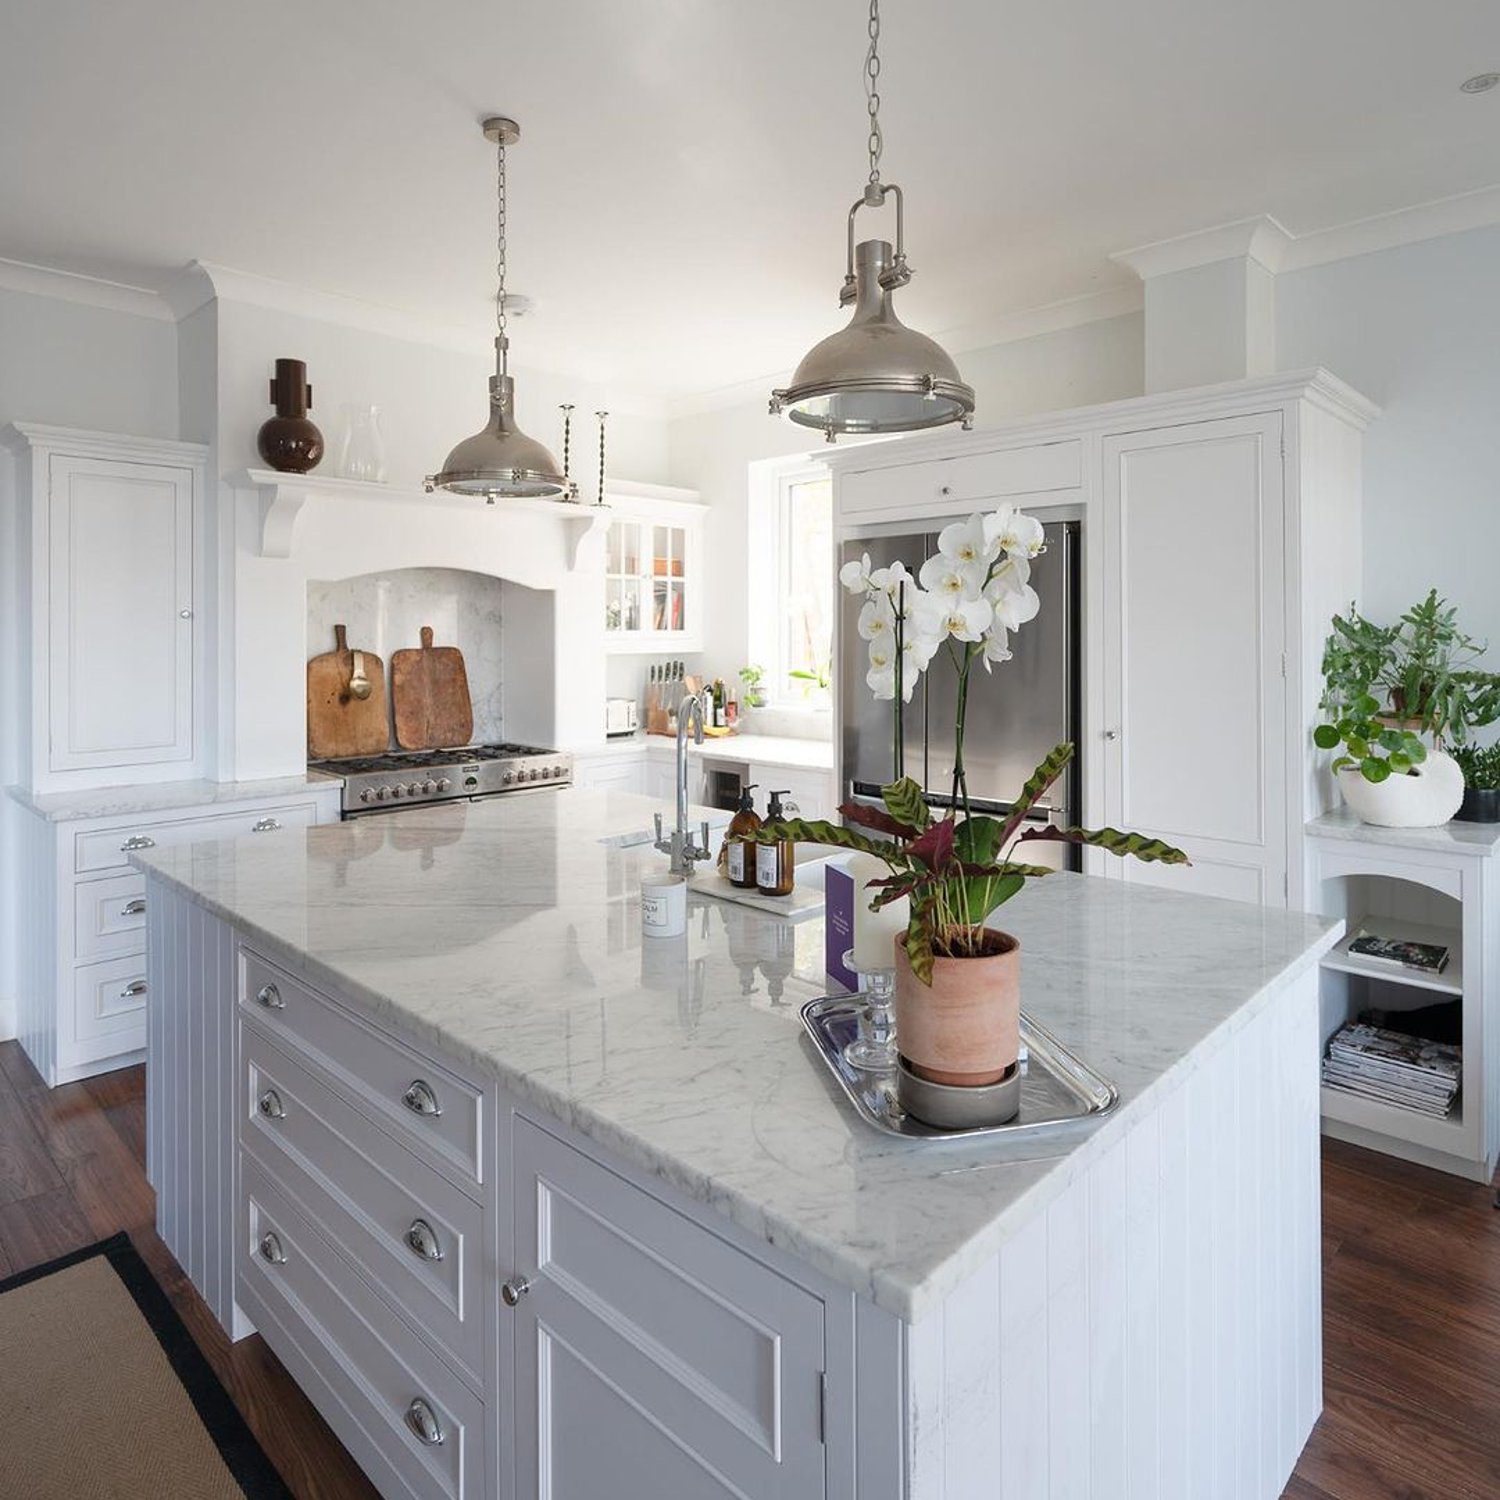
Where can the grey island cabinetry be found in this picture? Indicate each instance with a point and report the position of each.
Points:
(531, 1207)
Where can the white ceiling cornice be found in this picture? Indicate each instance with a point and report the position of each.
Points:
(73, 286)
(1261, 239)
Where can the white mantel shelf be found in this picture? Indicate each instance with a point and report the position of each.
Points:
(284, 496)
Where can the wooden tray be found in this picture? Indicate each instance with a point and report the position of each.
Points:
(339, 725)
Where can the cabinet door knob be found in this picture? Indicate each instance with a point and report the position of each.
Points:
(423, 1421)
(271, 1250)
(422, 1239)
(1111, 734)
(270, 1105)
(269, 996)
(420, 1099)
(134, 908)
(266, 825)
(184, 614)
(137, 841)
(513, 1290)
(133, 989)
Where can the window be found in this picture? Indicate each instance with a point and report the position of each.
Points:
(805, 594)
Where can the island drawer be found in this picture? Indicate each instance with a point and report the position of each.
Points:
(427, 1106)
(421, 1418)
(417, 1237)
(101, 849)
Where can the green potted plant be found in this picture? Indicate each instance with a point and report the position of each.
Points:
(755, 693)
(1385, 688)
(1481, 768)
(957, 979)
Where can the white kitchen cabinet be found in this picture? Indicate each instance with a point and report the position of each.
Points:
(621, 770)
(1195, 622)
(104, 535)
(80, 974)
(691, 1366)
(1220, 534)
(653, 578)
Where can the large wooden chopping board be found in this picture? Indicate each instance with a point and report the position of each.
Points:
(338, 723)
(430, 688)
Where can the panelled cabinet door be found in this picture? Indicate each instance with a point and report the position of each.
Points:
(652, 1358)
(651, 582)
(1195, 750)
(120, 581)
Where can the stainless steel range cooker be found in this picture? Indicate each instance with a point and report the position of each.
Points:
(386, 783)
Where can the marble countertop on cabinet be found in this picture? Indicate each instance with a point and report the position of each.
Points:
(164, 796)
(507, 934)
(754, 749)
(1479, 840)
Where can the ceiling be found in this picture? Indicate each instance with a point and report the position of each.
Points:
(678, 196)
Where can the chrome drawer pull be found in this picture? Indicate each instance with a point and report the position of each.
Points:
(270, 1105)
(137, 841)
(135, 988)
(420, 1099)
(266, 825)
(423, 1421)
(423, 1240)
(134, 908)
(270, 1249)
(270, 997)
(513, 1290)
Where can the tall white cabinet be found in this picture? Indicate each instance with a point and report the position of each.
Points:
(1221, 531)
(102, 571)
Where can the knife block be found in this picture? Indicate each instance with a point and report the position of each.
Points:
(662, 698)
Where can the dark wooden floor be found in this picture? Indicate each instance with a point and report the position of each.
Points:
(1411, 1299)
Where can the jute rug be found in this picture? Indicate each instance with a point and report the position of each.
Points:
(105, 1395)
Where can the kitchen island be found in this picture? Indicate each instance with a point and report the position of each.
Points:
(530, 1205)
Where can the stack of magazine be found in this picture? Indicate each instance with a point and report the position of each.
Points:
(1386, 1066)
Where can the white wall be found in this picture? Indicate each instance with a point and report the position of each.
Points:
(711, 451)
(74, 365)
(1417, 329)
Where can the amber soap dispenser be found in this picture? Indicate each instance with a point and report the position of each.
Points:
(775, 864)
(741, 853)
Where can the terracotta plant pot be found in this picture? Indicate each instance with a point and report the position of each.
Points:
(965, 1029)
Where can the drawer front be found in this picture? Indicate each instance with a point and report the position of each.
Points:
(429, 1108)
(109, 917)
(375, 1364)
(972, 479)
(411, 1231)
(110, 848)
(109, 1001)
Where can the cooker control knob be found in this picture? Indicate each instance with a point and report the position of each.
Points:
(380, 794)
(559, 770)
(535, 773)
(429, 786)
(414, 790)
(367, 795)
(544, 773)
(398, 790)
(443, 784)
(509, 777)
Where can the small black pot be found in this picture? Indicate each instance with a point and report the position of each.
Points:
(1481, 804)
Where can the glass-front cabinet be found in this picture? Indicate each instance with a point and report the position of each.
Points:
(651, 573)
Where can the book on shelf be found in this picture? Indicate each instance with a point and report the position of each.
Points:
(1401, 953)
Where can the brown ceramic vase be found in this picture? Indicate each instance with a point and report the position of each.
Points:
(965, 1030)
(290, 441)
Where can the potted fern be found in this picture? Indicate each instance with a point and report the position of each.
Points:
(957, 978)
(1481, 768)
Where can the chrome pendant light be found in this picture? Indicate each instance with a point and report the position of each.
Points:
(501, 461)
(876, 375)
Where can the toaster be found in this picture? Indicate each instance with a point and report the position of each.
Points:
(621, 716)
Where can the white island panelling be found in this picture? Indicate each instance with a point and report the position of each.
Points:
(1070, 1306)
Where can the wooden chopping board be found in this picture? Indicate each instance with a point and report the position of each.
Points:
(338, 723)
(430, 688)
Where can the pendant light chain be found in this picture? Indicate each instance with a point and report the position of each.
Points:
(876, 142)
(500, 246)
(601, 416)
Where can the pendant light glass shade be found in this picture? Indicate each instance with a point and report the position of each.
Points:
(500, 461)
(876, 375)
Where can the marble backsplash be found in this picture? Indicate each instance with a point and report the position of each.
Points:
(385, 612)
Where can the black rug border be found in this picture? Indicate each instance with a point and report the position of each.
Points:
(243, 1456)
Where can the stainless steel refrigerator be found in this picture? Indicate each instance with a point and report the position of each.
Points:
(1016, 713)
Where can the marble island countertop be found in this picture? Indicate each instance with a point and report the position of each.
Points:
(754, 749)
(507, 933)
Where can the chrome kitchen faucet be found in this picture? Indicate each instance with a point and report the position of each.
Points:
(680, 845)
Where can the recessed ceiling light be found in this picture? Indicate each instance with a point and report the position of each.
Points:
(1480, 83)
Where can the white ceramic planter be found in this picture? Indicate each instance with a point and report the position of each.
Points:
(1429, 796)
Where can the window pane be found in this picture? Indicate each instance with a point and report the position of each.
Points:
(631, 561)
(807, 584)
(679, 550)
(616, 546)
(632, 595)
(659, 614)
(613, 616)
(661, 562)
(674, 618)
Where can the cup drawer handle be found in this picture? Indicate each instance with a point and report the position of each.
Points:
(271, 1249)
(270, 1105)
(266, 825)
(133, 990)
(422, 1240)
(423, 1421)
(420, 1099)
(269, 996)
(137, 841)
(136, 908)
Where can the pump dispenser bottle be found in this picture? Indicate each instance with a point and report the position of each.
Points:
(742, 854)
(775, 864)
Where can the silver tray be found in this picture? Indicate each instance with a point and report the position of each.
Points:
(1056, 1087)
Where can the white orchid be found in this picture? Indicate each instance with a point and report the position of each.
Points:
(1014, 532)
(1013, 606)
(855, 574)
(966, 542)
(941, 618)
(996, 647)
(951, 579)
(877, 619)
